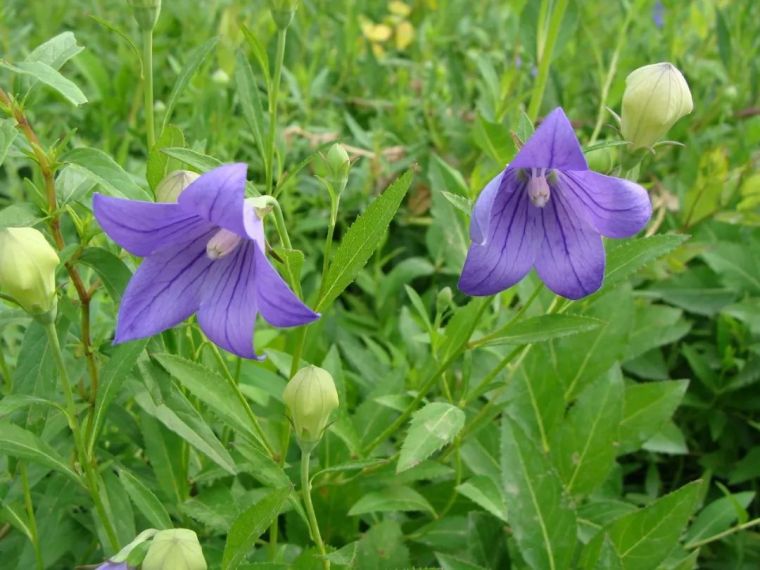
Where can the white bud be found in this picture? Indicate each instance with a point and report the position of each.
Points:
(655, 97)
(169, 189)
(310, 397)
(27, 269)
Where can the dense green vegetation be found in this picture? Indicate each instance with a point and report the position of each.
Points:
(517, 430)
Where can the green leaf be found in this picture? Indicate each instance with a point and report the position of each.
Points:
(18, 442)
(540, 513)
(580, 359)
(483, 491)
(543, 328)
(112, 377)
(258, 49)
(50, 77)
(292, 264)
(461, 326)
(8, 133)
(56, 51)
(105, 171)
(145, 500)
(111, 270)
(382, 548)
(250, 101)
(188, 424)
(647, 407)
(250, 525)
(159, 163)
(19, 216)
(361, 240)
(718, 516)
(586, 444)
(194, 61)
(644, 538)
(193, 158)
(632, 255)
(535, 396)
(13, 402)
(431, 428)
(209, 388)
(391, 499)
(736, 264)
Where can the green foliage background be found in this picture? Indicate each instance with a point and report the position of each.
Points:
(619, 431)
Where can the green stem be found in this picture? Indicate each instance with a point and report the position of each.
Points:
(30, 513)
(313, 524)
(243, 401)
(611, 75)
(725, 533)
(558, 13)
(91, 480)
(279, 223)
(5, 371)
(274, 95)
(147, 38)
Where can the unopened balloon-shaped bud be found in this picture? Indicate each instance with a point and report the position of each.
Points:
(146, 13)
(655, 97)
(283, 12)
(177, 549)
(339, 164)
(169, 189)
(602, 159)
(443, 300)
(27, 270)
(310, 397)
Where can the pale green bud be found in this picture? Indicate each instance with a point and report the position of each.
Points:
(175, 549)
(310, 397)
(443, 300)
(27, 269)
(146, 13)
(655, 97)
(602, 159)
(338, 160)
(169, 189)
(283, 12)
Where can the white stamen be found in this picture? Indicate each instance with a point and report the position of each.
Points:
(538, 188)
(221, 244)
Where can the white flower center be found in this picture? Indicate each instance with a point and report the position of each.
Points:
(538, 188)
(222, 244)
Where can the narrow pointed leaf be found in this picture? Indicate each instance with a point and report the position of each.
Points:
(431, 428)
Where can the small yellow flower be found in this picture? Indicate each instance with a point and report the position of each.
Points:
(376, 32)
(399, 9)
(404, 35)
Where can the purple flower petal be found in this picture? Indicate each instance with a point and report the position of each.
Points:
(218, 196)
(144, 227)
(553, 145)
(511, 244)
(164, 291)
(227, 313)
(571, 259)
(277, 303)
(481, 212)
(614, 207)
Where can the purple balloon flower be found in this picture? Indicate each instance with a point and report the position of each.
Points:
(204, 255)
(548, 210)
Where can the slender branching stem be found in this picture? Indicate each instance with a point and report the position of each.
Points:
(274, 95)
(316, 536)
(47, 169)
(261, 436)
(546, 51)
(85, 461)
(35, 538)
(150, 123)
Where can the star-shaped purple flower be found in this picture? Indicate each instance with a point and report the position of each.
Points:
(204, 255)
(548, 210)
